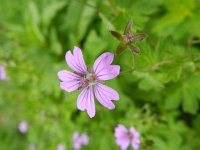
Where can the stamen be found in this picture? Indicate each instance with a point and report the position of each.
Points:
(88, 80)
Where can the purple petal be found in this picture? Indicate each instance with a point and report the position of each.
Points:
(76, 61)
(65, 75)
(23, 127)
(108, 72)
(135, 142)
(75, 136)
(84, 139)
(3, 75)
(77, 144)
(86, 101)
(120, 131)
(60, 147)
(71, 81)
(103, 60)
(69, 86)
(122, 138)
(105, 94)
(123, 142)
(76, 140)
(134, 133)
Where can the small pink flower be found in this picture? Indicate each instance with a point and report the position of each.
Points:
(90, 80)
(80, 140)
(23, 127)
(61, 147)
(3, 75)
(125, 137)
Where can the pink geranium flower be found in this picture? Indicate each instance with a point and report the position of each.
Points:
(125, 137)
(80, 140)
(90, 80)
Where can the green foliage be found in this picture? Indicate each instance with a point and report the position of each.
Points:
(160, 97)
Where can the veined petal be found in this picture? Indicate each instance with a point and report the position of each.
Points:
(105, 94)
(108, 72)
(102, 61)
(70, 81)
(108, 91)
(79, 57)
(69, 86)
(82, 98)
(65, 75)
(90, 103)
(86, 101)
(76, 61)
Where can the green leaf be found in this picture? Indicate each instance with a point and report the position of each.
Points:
(148, 82)
(94, 45)
(190, 103)
(51, 10)
(173, 100)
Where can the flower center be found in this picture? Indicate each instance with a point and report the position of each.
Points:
(130, 135)
(88, 80)
(128, 38)
(90, 77)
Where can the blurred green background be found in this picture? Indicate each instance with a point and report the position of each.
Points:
(160, 98)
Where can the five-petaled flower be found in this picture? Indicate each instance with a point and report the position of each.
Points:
(90, 80)
(80, 140)
(125, 137)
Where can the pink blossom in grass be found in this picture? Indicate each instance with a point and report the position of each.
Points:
(90, 80)
(61, 147)
(3, 75)
(125, 137)
(23, 127)
(80, 140)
